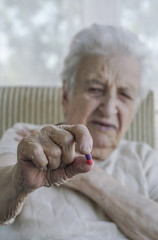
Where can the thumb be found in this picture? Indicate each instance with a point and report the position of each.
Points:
(79, 165)
(61, 175)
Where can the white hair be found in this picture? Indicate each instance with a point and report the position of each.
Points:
(106, 40)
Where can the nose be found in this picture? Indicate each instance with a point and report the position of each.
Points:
(108, 105)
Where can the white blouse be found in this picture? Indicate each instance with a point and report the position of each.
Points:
(59, 213)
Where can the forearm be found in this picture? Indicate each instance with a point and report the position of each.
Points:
(12, 194)
(134, 214)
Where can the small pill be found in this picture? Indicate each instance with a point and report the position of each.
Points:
(89, 159)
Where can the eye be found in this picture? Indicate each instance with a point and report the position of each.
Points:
(125, 95)
(95, 91)
(92, 89)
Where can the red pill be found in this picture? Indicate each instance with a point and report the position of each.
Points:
(89, 159)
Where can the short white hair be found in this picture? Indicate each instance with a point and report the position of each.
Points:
(106, 40)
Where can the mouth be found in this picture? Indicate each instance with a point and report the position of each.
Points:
(104, 126)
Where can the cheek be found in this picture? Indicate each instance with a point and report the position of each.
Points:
(80, 109)
(126, 116)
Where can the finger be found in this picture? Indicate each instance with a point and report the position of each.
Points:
(20, 134)
(61, 175)
(18, 138)
(53, 154)
(63, 139)
(50, 148)
(24, 132)
(82, 137)
(79, 165)
(31, 151)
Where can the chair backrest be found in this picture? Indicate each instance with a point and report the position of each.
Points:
(42, 105)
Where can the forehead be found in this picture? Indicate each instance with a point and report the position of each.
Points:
(112, 68)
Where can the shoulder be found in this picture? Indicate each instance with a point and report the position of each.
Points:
(141, 152)
(133, 147)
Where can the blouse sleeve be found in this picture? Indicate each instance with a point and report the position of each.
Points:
(9, 142)
(150, 165)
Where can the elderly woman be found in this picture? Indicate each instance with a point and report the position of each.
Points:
(115, 198)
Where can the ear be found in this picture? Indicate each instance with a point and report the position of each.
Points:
(65, 97)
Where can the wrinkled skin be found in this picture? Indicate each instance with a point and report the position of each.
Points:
(48, 157)
(104, 99)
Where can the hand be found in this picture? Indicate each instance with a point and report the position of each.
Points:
(24, 133)
(48, 157)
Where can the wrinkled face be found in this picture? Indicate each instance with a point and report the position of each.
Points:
(104, 98)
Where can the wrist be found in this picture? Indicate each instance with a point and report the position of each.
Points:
(18, 182)
(12, 199)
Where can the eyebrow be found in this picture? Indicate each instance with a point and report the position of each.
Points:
(127, 88)
(123, 88)
(94, 81)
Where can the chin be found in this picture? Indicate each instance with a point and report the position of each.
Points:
(104, 141)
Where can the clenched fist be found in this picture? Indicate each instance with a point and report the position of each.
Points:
(48, 157)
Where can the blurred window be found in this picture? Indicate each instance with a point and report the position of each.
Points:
(141, 17)
(34, 37)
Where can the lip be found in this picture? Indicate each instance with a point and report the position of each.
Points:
(104, 125)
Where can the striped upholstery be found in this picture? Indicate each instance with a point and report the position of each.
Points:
(39, 105)
(142, 127)
(42, 105)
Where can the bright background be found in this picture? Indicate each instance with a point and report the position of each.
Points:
(35, 34)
